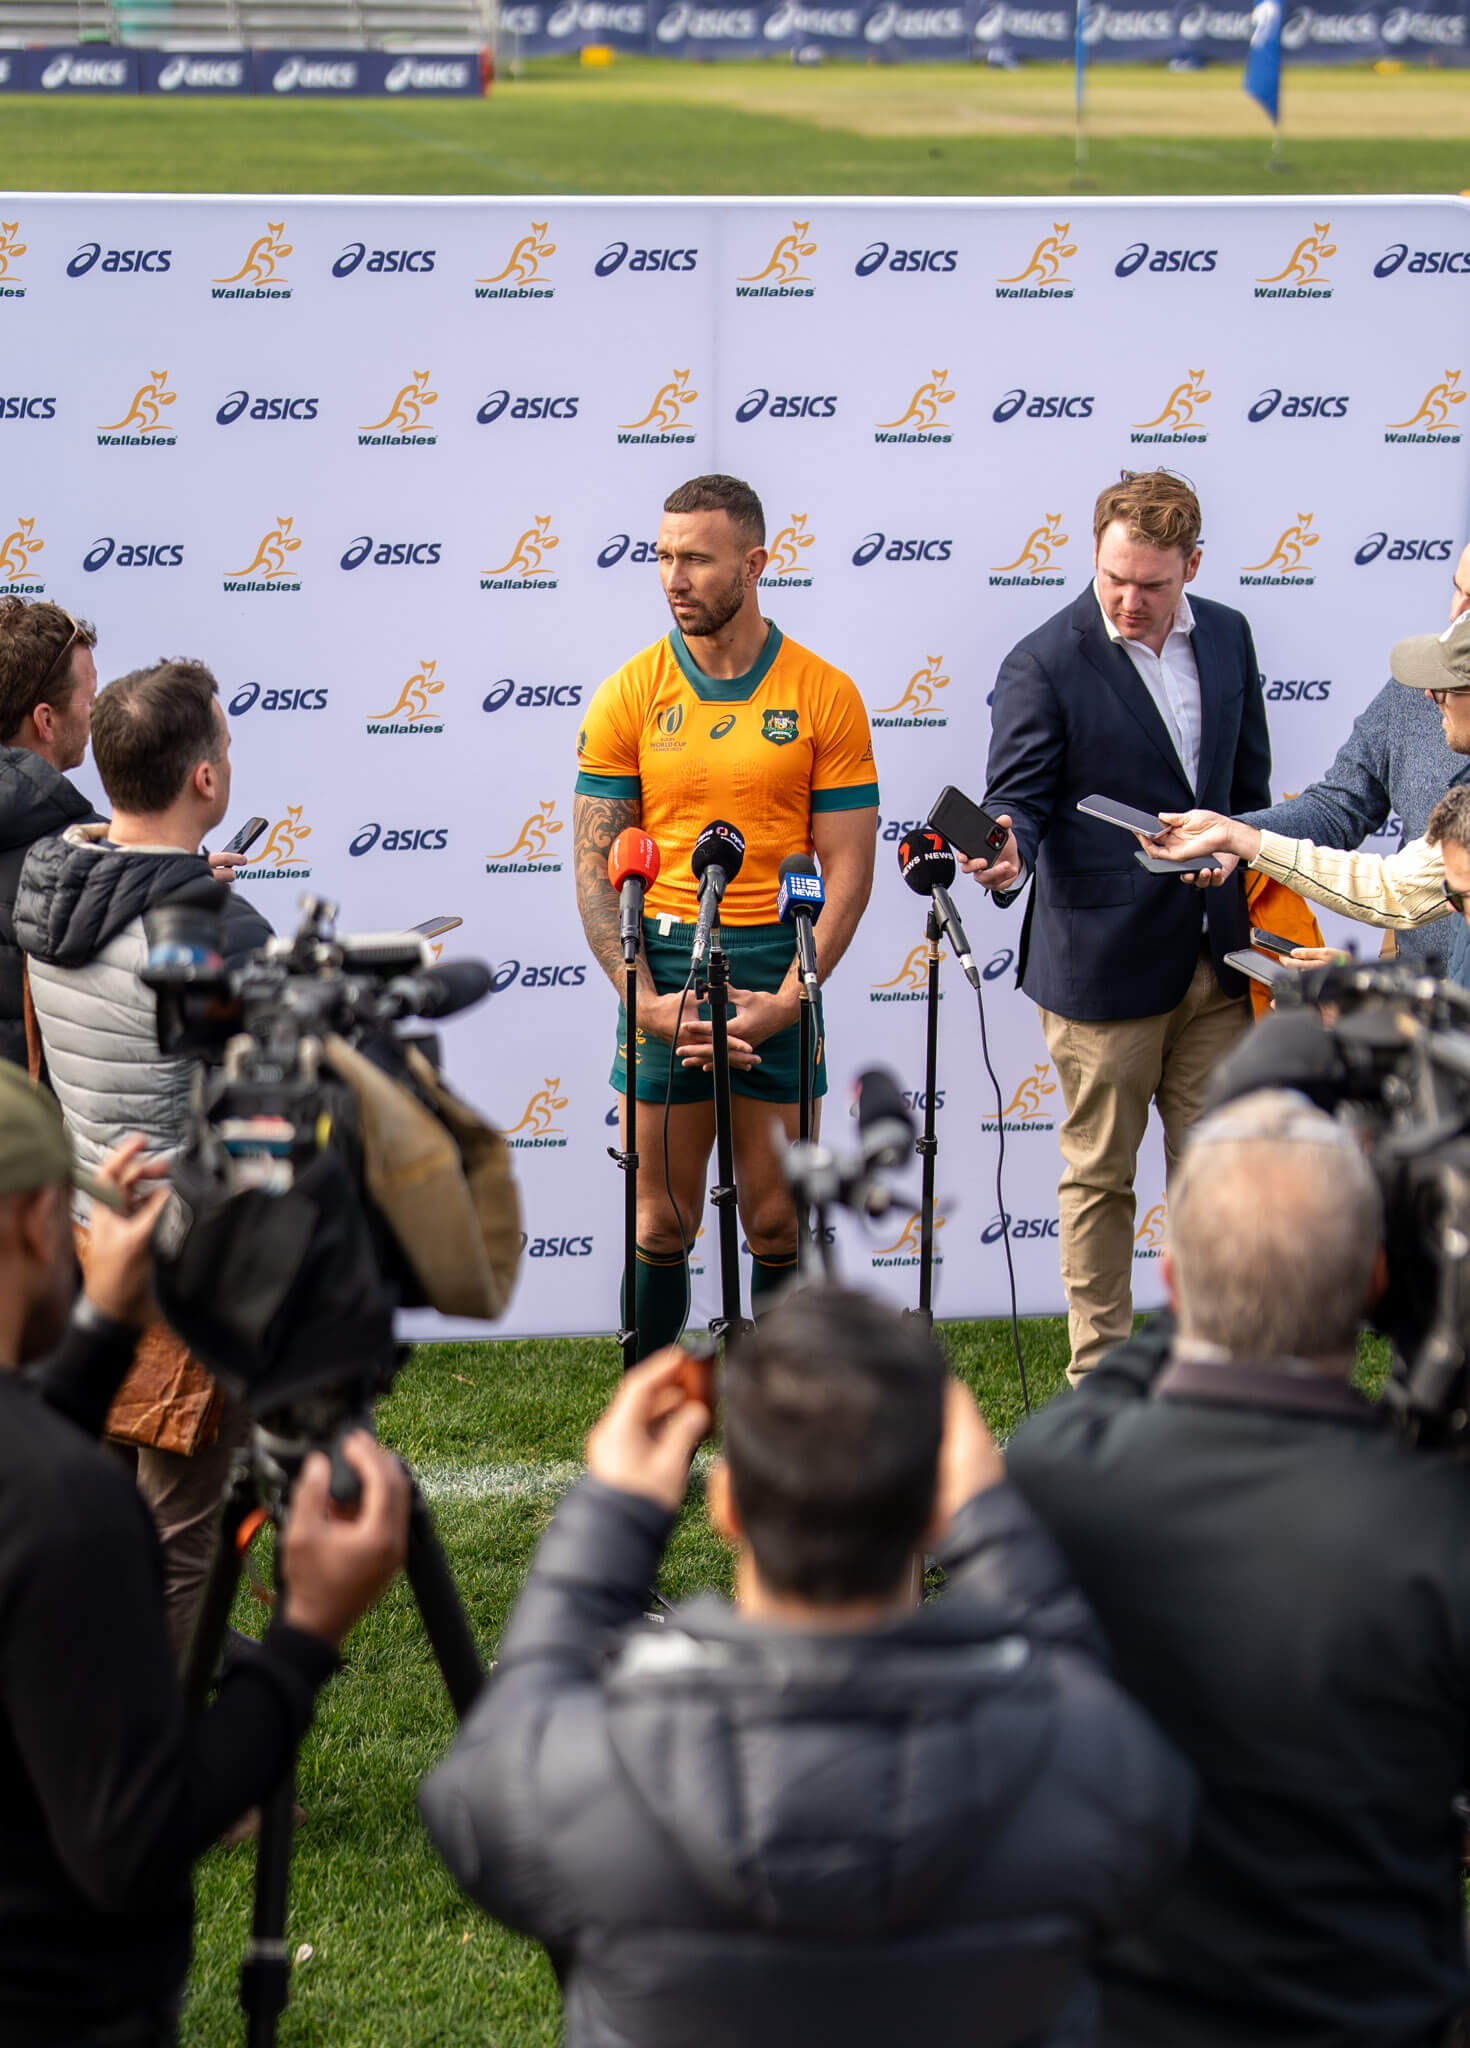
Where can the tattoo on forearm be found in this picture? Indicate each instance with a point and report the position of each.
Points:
(596, 823)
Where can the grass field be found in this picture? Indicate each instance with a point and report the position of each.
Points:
(660, 126)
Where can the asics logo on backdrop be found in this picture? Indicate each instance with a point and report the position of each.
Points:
(138, 554)
(390, 554)
(620, 547)
(1403, 550)
(1037, 407)
(382, 262)
(904, 262)
(872, 545)
(1422, 262)
(504, 404)
(618, 254)
(239, 404)
(118, 262)
(1163, 262)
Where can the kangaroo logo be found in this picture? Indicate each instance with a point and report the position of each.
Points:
(16, 550)
(667, 410)
(525, 557)
(923, 412)
(1287, 554)
(909, 1241)
(535, 833)
(10, 248)
(918, 698)
(145, 412)
(785, 557)
(1434, 413)
(541, 1110)
(1026, 1103)
(526, 258)
(403, 415)
(914, 973)
(270, 557)
(413, 699)
(787, 257)
(1152, 1234)
(1037, 549)
(266, 252)
(1304, 265)
(1051, 252)
(285, 837)
(1180, 405)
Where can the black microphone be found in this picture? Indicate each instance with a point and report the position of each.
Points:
(439, 991)
(718, 853)
(799, 901)
(885, 1127)
(927, 865)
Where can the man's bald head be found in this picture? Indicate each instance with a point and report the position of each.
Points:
(1275, 1232)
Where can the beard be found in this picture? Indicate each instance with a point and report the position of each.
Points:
(716, 614)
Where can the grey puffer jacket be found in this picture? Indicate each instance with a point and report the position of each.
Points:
(36, 800)
(745, 1836)
(79, 919)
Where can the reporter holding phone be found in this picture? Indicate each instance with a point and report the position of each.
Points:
(1136, 690)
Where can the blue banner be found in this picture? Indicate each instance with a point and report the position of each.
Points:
(95, 68)
(184, 73)
(355, 74)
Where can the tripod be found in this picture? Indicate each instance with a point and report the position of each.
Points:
(713, 986)
(627, 1159)
(265, 1472)
(927, 1146)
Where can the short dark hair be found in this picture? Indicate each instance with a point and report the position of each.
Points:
(1450, 819)
(833, 1414)
(150, 731)
(722, 494)
(33, 638)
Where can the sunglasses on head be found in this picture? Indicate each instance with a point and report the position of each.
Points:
(76, 635)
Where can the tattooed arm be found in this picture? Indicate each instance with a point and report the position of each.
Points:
(596, 823)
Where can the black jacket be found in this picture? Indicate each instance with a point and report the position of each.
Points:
(734, 1834)
(36, 800)
(1285, 1585)
(1072, 718)
(108, 1792)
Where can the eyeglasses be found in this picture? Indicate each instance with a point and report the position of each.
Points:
(1456, 898)
(1452, 690)
(76, 635)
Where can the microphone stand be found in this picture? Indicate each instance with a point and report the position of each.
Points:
(712, 986)
(627, 1159)
(928, 1145)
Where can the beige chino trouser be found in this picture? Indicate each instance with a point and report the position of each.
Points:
(1110, 1074)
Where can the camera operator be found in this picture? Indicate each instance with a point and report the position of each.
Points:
(162, 748)
(826, 1815)
(1285, 1585)
(48, 679)
(108, 1791)
(1396, 760)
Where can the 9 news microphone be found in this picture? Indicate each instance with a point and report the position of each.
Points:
(632, 863)
(927, 865)
(719, 852)
(799, 901)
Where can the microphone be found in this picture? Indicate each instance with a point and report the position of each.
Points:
(439, 991)
(632, 863)
(885, 1128)
(927, 865)
(799, 901)
(718, 854)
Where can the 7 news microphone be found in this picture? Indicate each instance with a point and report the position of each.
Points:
(927, 865)
(719, 852)
(799, 902)
(632, 863)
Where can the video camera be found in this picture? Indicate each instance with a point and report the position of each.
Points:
(1387, 1050)
(328, 1176)
(821, 1179)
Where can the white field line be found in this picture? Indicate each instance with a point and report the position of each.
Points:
(487, 1480)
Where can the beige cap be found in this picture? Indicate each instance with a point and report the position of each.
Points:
(1434, 661)
(35, 1151)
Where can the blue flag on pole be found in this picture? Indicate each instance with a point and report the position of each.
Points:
(1263, 61)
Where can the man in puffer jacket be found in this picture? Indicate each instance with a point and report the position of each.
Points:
(48, 679)
(827, 1815)
(162, 749)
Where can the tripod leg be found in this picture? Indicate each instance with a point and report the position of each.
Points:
(628, 1159)
(445, 1622)
(265, 1974)
(213, 1619)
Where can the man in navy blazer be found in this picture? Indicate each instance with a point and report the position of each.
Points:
(1135, 693)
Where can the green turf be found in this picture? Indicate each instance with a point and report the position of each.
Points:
(561, 130)
(398, 1958)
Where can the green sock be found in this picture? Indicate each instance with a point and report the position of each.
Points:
(768, 1277)
(661, 1298)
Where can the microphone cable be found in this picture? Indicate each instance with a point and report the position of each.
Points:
(1000, 1200)
(684, 1238)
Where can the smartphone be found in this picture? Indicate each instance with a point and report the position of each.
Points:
(1272, 973)
(247, 835)
(965, 825)
(435, 927)
(1269, 942)
(1203, 863)
(1124, 815)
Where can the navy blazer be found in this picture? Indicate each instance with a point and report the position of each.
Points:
(1072, 717)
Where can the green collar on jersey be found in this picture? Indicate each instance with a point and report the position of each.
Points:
(725, 689)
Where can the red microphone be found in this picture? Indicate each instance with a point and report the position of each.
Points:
(632, 863)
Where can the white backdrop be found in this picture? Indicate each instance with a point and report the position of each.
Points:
(394, 469)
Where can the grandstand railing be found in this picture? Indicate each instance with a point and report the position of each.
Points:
(250, 24)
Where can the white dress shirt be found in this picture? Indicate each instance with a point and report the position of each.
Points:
(1172, 680)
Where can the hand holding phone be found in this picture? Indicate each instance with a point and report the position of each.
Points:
(1143, 824)
(247, 835)
(977, 835)
(1259, 967)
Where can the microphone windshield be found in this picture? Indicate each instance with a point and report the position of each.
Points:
(632, 855)
(442, 991)
(718, 846)
(885, 1125)
(925, 862)
(797, 864)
